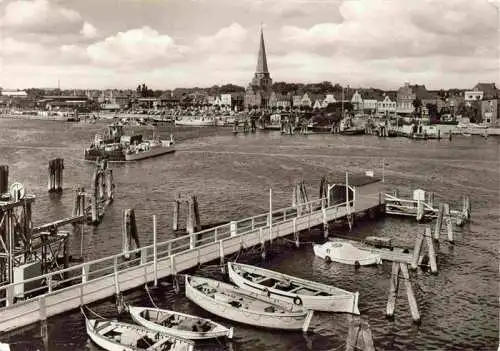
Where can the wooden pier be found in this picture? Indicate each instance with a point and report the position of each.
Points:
(64, 290)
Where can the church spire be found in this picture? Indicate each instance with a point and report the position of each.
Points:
(262, 59)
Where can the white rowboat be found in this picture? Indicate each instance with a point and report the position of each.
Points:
(179, 324)
(231, 302)
(347, 253)
(305, 293)
(116, 336)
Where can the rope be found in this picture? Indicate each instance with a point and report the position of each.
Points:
(95, 314)
(150, 298)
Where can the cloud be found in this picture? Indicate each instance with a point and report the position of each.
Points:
(88, 30)
(42, 17)
(141, 48)
(372, 29)
(228, 39)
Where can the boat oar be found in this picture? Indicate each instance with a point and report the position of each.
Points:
(307, 321)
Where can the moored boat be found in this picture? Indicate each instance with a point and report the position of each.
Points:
(240, 305)
(117, 336)
(346, 253)
(179, 324)
(308, 294)
(204, 121)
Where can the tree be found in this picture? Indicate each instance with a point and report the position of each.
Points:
(417, 104)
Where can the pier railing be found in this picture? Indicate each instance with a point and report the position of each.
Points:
(65, 289)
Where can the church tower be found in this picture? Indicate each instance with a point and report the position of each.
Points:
(259, 89)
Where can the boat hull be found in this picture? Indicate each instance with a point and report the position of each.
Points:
(147, 154)
(219, 330)
(195, 123)
(285, 321)
(106, 343)
(94, 154)
(346, 253)
(339, 300)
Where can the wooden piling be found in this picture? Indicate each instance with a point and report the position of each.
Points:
(417, 249)
(177, 205)
(190, 222)
(439, 222)
(196, 210)
(130, 238)
(420, 210)
(393, 290)
(449, 224)
(93, 199)
(409, 293)
(110, 185)
(4, 179)
(359, 336)
(430, 247)
(55, 179)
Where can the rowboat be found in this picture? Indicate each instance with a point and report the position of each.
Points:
(116, 336)
(231, 302)
(179, 324)
(305, 293)
(347, 253)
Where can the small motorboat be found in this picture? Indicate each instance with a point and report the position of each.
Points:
(240, 305)
(179, 324)
(301, 292)
(344, 252)
(116, 336)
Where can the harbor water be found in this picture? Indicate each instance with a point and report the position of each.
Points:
(231, 175)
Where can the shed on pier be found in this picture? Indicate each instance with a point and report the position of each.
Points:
(363, 189)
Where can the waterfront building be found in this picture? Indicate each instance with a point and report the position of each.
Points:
(297, 101)
(329, 99)
(473, 95)
(386, 106)
(489, 112)
(357, 101)
(258, 91)
(306, 100)
(405, 98)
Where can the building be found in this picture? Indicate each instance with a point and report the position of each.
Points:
(306, 100)
(405, 98)
(370, 106)
(259, 90)
(386, 106)
(329, 99)
(489, 112)
(473, 95)
(357, 101)
(489, 90)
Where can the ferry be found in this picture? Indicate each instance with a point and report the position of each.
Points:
(149, 148)
(116, 147)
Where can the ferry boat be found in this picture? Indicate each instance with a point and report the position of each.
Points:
(149, 148)
(116, 147)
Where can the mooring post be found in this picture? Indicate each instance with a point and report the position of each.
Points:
(430, 200)
(409, 293)
(420, 210)
(50, 182)
(359, 336)
(325, 224)
(93, 200)
(60, 168)
(432, 251)
(393, 290)
(42, 310)
(110, 185)
(439, 222)
(466, 206)
(417, 249)
(155, 253)
(126, 234)
(449, 224)
(196, 210)
(294, 196)
(177, 204)
(4, 179)
(190, 216)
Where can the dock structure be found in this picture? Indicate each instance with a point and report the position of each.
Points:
(110, 276)
(423, 206)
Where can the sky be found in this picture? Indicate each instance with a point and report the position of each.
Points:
(102, 44)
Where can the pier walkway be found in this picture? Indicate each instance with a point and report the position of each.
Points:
(36, 299)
